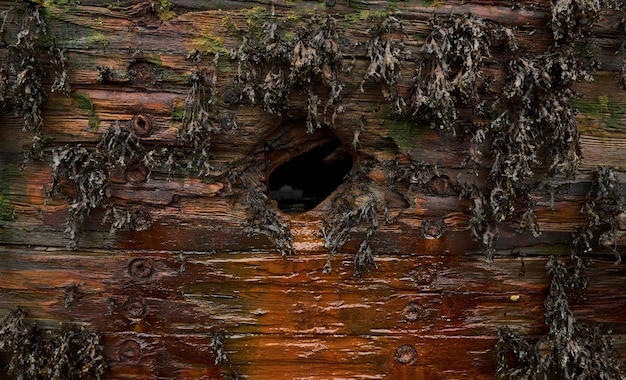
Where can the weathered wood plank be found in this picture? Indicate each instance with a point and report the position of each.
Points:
(431, 307)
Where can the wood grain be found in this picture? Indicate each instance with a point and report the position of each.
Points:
(431, 307)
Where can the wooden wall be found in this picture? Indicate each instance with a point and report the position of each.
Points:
(431, 308)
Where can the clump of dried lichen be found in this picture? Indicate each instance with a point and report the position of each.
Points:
(570, 350)
(70, 352)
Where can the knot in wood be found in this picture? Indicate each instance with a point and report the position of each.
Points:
(424, 276)
(228, 122)
(406, 354)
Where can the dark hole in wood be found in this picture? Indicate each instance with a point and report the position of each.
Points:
(305, 181)
(142, 125)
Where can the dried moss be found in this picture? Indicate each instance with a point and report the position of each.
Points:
(97, 38)
(604, 109)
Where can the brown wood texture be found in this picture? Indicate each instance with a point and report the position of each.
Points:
(158, 295)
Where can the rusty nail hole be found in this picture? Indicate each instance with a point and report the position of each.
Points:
(413, 312)
(230, 96)
(142, 73)
(228, 122)
(129, 350)
(140, 268)
(440, 185)
(424, 276)
(406, 354)
(433, 228)
(135, 309)
(142, 125)
(136, 173)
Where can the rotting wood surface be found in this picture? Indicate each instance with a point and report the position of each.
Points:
(431, 307)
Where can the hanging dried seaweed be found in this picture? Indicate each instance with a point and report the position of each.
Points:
(535, 116)
(263, 216)
(218, 340)
(355, 204)
(126, 218)
(197, 125)
(82, 175)
(22, 73)
(570, 17)
(385, 57)
(366, 199)
(449, 67)
(316, 59)
(482, 221)
(70, 352)
(263, 48)
(313, 57)
(570, 350)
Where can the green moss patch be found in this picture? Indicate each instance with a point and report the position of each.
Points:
(86, 105)
(605, 109)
